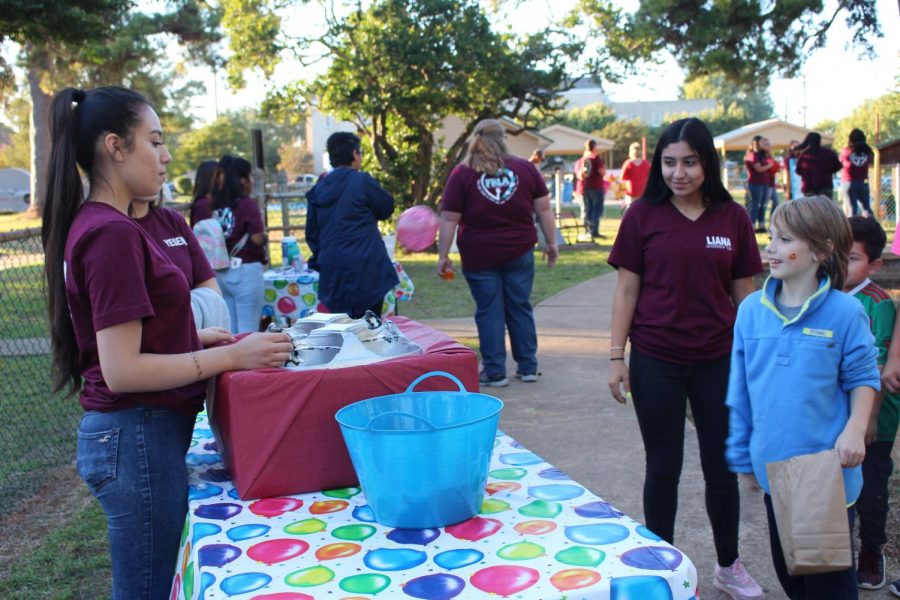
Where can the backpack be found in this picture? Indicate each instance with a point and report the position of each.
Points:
(212, 241)
(587, 166)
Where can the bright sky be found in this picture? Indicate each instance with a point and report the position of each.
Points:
(837, 81)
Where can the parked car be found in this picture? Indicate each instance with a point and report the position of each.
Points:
(306, 179)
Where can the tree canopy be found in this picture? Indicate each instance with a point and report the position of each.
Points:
(399, 67)
(747, 41)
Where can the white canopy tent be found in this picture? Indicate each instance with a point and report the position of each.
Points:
(779, 133)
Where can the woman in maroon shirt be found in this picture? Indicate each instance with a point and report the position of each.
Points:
(686, 256)
(122, 332)
(856, 157)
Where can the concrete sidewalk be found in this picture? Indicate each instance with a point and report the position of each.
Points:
(570, 419)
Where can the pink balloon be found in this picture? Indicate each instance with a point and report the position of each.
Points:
(474, 529)
(505, 580)
(417, 228)
(273, 507)
(272, 552)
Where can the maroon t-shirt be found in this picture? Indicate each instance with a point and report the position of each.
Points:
(201, 209)
(815, 169)
(116, 273)
(855, 165)
(177, 241)
(753, 176)
(594, 181)
(497, 223)
(244, 218)
(684, 311)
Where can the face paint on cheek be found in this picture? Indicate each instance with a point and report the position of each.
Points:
(792, 256)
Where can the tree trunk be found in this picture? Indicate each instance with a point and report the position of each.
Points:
(40, 131)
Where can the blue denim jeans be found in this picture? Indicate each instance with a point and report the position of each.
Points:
(759, 196)
(837, 585)
(773, 196)
(133, 462)
(593, 208)
(502, 298)
(242, 289)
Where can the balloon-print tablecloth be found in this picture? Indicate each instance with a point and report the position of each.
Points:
(539, 536)
(293, 295)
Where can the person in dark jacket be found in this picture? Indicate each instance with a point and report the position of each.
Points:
(816, 165)
(355, 271)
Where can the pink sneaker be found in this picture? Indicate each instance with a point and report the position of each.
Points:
(736, 582)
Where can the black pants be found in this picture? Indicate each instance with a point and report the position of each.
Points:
(837, 585)
(872, 505)
(660, 392)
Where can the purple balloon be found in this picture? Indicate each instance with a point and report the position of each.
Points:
(217, 555)
(423, 537)
(598, 510)
(440, 586)
(657, 558)
(554, 474)
(211, 446)
(219, 510)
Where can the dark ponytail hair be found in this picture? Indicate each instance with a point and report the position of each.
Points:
(227, 189)
(697, 135)
(77, 120)
(857, 140)
(811, 143)
(204, 180)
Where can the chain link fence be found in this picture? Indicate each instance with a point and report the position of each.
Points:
(37, 428)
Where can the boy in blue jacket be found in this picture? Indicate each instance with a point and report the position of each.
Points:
(803, 370)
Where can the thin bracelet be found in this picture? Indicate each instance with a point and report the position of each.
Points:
(620, 358)
(197, 364)
(617, 348)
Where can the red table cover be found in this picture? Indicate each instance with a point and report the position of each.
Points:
(275, 428)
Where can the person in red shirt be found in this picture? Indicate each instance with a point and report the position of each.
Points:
(685, 258)
(589, 173)
(635, 171)
(121, 330)
(490, 202)
(856, 157)
(759, 167)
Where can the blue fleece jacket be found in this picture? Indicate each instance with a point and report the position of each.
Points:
(790, 381)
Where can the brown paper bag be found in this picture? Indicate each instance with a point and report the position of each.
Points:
(811, 512)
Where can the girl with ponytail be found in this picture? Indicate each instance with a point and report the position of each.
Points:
(122, 332)
(856, 158)
(492, 198)
(245, 237)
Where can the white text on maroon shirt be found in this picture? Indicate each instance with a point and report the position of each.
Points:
(719, 242)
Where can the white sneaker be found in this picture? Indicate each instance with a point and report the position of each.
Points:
(736, 582)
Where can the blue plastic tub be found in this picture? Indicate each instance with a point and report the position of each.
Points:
(422, 457)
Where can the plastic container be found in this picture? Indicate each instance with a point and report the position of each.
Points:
(422, 458)
(290, 254)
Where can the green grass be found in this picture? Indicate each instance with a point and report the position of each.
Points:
(435, 298)
(71, 562)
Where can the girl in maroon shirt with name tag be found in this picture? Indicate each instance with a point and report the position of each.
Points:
(122, 331)
(686, 256)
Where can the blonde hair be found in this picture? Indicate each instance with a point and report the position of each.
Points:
(487, 148)
(818, 222)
